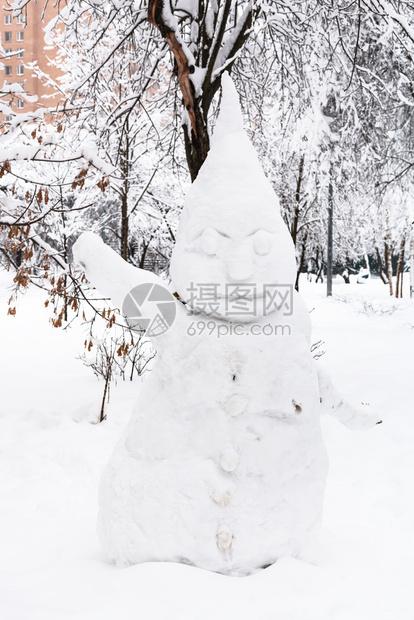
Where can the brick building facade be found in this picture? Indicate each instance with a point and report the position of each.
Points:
(22, 39)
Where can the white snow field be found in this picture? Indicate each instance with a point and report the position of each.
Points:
(51, 459)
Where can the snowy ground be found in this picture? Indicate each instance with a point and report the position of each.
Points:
(51, 565)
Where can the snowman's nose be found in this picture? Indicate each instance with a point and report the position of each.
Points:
(239, 265)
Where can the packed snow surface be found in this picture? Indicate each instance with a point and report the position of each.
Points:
(51, 459)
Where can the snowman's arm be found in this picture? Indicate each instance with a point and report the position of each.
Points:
(107, 271)
(333, 404)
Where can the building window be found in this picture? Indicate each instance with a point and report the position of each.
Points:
(20, 35)
(8, 50)
(20, 70)
(8, 70)
(21, 52)
(20, 104)
(21, 19)
(7, 20)
(8, 119)
(8, 37)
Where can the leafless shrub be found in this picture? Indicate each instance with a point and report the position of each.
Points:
(369, 307)
(117, 354)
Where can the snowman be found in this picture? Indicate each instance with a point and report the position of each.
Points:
(222, 465)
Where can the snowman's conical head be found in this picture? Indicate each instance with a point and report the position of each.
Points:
(231, 230)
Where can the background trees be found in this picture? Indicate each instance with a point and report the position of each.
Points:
(327, 95)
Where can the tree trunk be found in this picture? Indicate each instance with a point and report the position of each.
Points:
(345, 275)
(301, 262)
(196, 136)
(125, 167)
(144, 253)
(102, 415)
(319, 267)
(400, 269)
(367, 263)
(380, 266)
(388, 262)
(124, 226)
(65, 256)
(412, 261)
(197, 143)
(295, 224)
(329, 266)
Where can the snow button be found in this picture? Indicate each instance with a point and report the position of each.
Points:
(224, 538)
(222, 498)
(236, 404)
(229, 460)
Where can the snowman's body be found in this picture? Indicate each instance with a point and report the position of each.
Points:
(222, 464)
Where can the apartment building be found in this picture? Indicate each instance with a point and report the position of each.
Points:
(22, 39)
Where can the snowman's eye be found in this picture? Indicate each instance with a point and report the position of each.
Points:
(210, 240)
(262, 242)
